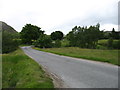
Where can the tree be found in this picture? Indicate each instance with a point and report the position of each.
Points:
(44, 41)
(30, 32)
(93, 34)
(84, 37)
(72, 36)
(57, 35)
(113, 34)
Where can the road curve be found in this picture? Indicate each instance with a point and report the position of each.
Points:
(77, 73)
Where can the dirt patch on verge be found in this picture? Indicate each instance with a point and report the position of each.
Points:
(57, 81)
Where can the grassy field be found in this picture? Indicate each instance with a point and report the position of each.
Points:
(105, 41)
(110, 56)
(20, 71)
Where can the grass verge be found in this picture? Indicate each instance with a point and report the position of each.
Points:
(110, 56)
(20, 71)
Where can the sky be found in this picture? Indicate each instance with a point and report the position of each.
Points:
(60, 15)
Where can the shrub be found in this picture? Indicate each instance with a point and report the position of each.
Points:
(110, 43)
(65, 43)
(9, 44)
(116, 44)
(57, 43)
(43, 41)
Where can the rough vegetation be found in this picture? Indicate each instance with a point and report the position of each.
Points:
(83, 37)
(19, 71)
(109, 56)
(43, 41)
(9, 43)
(9, 38)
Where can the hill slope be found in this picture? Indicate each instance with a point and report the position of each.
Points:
(5, 27)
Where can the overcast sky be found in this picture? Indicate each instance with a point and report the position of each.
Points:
(63, 15)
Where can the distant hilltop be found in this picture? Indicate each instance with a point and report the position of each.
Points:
(5, 27)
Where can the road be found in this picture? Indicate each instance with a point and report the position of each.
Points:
(76, 73)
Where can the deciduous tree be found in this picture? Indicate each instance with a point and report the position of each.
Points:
(30, 32)
(57, 35)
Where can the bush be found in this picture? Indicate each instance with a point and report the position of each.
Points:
(116, 44)
(101, 47)
(43, 41)
(65, 43)
(9, 43)
(57, 43)
(110, 43)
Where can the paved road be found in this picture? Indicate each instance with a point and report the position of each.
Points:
(77, 73)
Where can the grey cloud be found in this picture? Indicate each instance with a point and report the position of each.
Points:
(91, 19)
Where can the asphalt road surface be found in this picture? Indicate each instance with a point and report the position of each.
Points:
(76, 73)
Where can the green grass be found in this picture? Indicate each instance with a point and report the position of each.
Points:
(20, 71)
(105, 41)
(110, 56)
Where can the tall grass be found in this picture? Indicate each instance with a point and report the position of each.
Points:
(20, 71)
(110, 56)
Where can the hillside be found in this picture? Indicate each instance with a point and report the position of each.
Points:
(5, 27)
